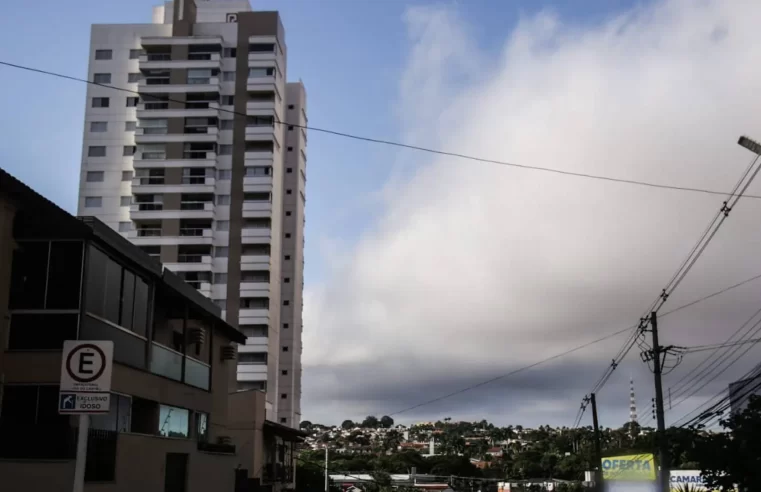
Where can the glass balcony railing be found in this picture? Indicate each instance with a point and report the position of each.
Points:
(196, 373)
(166, 362)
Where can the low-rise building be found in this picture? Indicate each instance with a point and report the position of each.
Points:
(174, 418)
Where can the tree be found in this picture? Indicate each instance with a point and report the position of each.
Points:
(386, 422)
(370, 422)
(347, 424)
(306, 425)
(733, 458)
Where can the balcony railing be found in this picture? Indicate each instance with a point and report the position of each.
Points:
(194, 180)
(158, 56)
(149, 180)
(199, 80)
(196, 154)
(149, 232)
(146, 206)
(193, 205)
(197, 129)
(157, 81)
(198, 104)
(199, 56)
(192, 231)
(150, 156)
(190, 258)
(156, 105)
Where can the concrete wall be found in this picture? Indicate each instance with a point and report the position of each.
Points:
(246, 424)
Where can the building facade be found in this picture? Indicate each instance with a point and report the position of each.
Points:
(202, 164)
(175, 422)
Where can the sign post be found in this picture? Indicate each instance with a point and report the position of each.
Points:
(84, 390)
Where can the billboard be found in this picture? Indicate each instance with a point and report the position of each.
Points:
(629, 468)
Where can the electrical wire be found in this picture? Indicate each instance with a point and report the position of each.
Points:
(399, 144)
(567, 352)
(703, 348)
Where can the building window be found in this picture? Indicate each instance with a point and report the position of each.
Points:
(229, 52)
(133, 77)
(125, 201)
(220, 278)
(224, 174)
(115, 293)
(98, 126)
(287, 280)
(173, 421)
(287, 214)
(93, 201)
(226, 125)
(289, 170)
(228, 100)
(261, 48)
(256, 72)
(258, 171)
(99, 102)
(129, 150)
(287, 235)
(135, 54)
(96, 151)
(284, 372)
(132, 102)
(286, 325)
(254, 331)
(103, 54)
(223, 225)
(255, 358)
(228, 76)
(290, 149)
(254, 303)
(283, 396)
(287, 257)
(101, 78)
(225, 150)
(223, 199)
(290, 128)
(283, 420)
(202, 426)
(285, 348)
(94, 176)
(221, 252)
(286, 303)
(33, 405)
(125, 226)
(127, 175)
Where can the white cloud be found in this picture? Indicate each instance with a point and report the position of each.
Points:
(478, 268)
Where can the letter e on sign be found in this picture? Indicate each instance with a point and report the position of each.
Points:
(86, 366)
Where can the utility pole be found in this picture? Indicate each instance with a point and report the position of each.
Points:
(663, 477)
(598, 446)
(326, 468)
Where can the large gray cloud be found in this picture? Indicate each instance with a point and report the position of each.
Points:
(475, 269)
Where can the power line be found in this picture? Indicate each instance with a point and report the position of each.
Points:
(399, 144)
(703, 348)
(567, 352)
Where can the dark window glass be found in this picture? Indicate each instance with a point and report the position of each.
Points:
(128, 349)
(128, 299)
(29, 275)
(20, 404)
(144, 416)
(41, 331)
(113, 288)
(64, 275)
(141, 307)
(96, 281)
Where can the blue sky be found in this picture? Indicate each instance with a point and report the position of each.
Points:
(349, 54)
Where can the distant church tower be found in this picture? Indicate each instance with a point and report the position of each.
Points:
(632, 403)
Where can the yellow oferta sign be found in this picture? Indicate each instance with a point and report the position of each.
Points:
(634, 467)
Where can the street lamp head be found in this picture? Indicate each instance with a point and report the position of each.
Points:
(750, 144)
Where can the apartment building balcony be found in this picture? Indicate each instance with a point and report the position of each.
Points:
(257, 183)
(193, 109)
(255, 344)
(156, 211)
(192, 134)
(262, 132)
(191, 159)
(157, 42)
(153, 236)
(158, 185)
(191, 263)
(251, 262)
(253, 316)
(253, 106)
(255, 236)
(252, 372)
(257, 209)
(254, 289)
(154, 61)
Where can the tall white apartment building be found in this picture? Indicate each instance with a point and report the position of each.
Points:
(197, 170)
